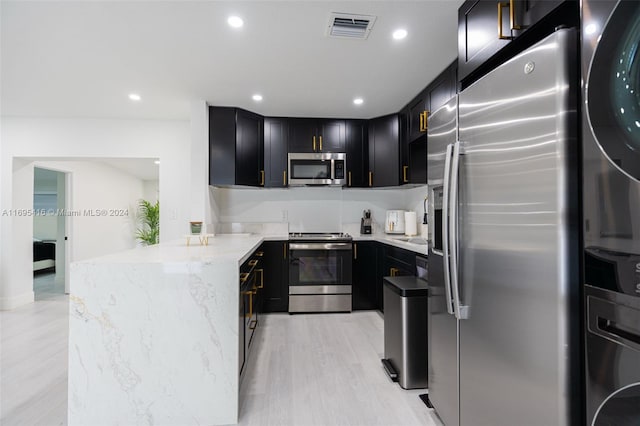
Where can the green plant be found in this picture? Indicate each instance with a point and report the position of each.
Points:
(149, 218)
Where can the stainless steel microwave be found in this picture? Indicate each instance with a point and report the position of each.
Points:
(317, 169)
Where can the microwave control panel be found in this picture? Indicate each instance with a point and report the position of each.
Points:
(339, 169)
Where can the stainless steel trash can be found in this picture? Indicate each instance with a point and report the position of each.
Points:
(405, 330)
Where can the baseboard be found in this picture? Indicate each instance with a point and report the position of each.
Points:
(8, 303)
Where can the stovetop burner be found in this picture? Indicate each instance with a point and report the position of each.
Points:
(320, 236)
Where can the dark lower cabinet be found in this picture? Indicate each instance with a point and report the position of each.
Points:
(357, 153)
(365, 261)
(276, 134)
(276, 276)
(384, 154)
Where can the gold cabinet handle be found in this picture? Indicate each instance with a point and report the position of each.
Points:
(404, 174)
(284, 250)
(261, 177)
(244, 277)
(424, 124)
(355, 250)
(349, 179)
(502, 5)
(314, 143)
(260, 253)
(320, 143)
(370, 178)
(250, 294)
(512, 17)
(394, 272)
(253, 262)
(261, 278)
(284, 178)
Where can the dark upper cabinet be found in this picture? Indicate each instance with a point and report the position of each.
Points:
(357, 153)
(276, 135)
(276, 276)
(486, 27)
(316, 135)
(416, 113)
(384, 155)
(235, 147)
(365, 275)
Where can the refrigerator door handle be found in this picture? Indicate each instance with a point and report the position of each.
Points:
(445, 228)
(460, 311)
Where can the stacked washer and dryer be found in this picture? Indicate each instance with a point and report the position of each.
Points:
(611, 209)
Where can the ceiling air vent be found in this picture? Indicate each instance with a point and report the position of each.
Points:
(350, 26)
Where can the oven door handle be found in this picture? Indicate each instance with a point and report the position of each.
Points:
(320, 246)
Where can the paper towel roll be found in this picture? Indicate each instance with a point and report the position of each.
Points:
(410, 223)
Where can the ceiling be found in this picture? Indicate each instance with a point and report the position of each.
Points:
(82, 59)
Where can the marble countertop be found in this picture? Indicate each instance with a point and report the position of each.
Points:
(222, 248)
(394, 241)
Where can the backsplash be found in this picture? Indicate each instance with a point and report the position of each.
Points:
(310, 209)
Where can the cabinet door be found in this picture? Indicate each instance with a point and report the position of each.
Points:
(357, 154)
(418, 161)
(222, 146)
(442, 88)
(529, 12)
(249, 156)
(303, 135)
(364, 275)
(384, 155)
(331, 136)
(479, 33)
(276, 277)
(276, 134)
(415, 117)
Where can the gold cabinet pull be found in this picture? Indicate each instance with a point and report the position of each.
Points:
(424, 124)
(261, 177)
(260, 253)
(244, 277)
(320, 143)
(370, 178)
(394, 272)
(284, 250)
(253, 262)
(261, 278)
(349, 179)
(314, 143)
(502, 5)
(404, 174)
(250, 294)
(355, 250)
(284, 178)
(512, 17)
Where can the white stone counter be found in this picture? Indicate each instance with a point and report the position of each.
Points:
(153, 334)
(393, 241)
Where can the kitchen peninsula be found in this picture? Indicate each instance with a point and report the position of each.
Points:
(153, 334)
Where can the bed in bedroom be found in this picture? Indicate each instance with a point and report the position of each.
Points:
(44, 255)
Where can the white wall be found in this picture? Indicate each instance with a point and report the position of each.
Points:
(151, 190)
(312, 209)
(49, 138)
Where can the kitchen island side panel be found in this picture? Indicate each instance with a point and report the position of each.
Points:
(153, 343)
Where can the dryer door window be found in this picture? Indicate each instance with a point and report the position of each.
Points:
(613, 91)
(621, 408)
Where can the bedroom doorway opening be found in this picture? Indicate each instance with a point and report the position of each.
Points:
(50, 193)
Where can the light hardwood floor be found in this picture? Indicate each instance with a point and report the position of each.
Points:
(304, 370)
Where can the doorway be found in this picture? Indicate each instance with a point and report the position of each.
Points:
(50, 196)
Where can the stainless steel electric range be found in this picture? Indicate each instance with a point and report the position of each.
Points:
(320, 272)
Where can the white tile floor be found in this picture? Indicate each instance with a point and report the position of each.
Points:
(304, 370)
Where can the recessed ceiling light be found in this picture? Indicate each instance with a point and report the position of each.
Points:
(399, 34)
(235, 21)
(156, 162)
(358, 101)
(134, 97)
(590, 28)
(257, 97)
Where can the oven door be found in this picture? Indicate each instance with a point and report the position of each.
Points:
(320, 268)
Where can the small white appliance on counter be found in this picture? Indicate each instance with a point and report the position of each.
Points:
(394, 224)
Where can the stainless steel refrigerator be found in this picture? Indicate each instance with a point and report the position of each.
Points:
(504, 307)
